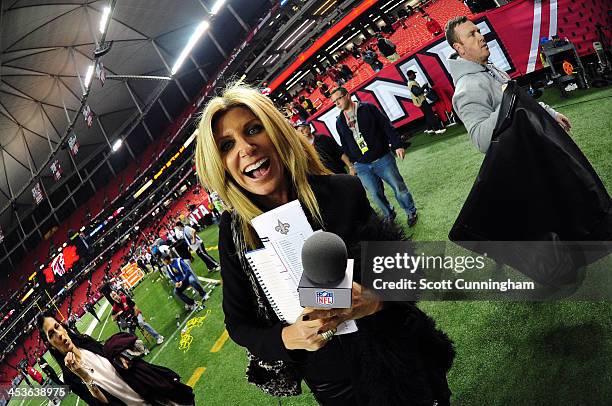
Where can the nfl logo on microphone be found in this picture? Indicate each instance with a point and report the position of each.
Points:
(325, 298)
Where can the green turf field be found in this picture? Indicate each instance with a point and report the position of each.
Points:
(507, 353)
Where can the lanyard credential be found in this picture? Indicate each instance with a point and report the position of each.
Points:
(361, 143)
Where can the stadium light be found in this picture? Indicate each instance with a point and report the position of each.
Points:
(217, 6)
(324, 7)
(27, 295)
(290, 36)
(191, 138)
(89, 75)
(202, 27)
(143, 188)
(300, 34)
(117, 145)
(104, 19)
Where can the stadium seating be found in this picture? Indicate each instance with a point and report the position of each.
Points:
(408, 39)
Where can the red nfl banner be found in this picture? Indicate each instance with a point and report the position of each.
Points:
(513, 33)
(199, 212)
(88, 115)
(100, 72)
(56, 169)
(37, 193)
(73, 144)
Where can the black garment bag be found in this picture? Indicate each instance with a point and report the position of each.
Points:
(536, 185)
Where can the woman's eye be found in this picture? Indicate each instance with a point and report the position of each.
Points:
(254, 129)
(225, 146)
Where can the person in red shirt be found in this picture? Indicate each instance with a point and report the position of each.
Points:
(35, 374)
(432, 25)
(124, 308)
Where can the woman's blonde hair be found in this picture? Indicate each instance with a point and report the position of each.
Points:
(297, 155)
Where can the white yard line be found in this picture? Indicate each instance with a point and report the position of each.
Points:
(103, 325)
(94, 322)
(211, 281)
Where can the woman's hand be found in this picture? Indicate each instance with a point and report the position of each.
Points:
(304, 334)
(365, 303)
(74, 364)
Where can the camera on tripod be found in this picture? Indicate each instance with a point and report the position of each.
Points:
(127, 322)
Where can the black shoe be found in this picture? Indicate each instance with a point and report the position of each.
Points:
(412, 220)
(391, 218)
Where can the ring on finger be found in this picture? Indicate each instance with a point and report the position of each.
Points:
(327, 335)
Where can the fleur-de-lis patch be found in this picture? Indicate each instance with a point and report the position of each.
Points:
(282, 228)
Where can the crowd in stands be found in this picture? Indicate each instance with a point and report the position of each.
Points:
(403, 32)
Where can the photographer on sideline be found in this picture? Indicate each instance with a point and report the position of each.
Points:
(124, 309)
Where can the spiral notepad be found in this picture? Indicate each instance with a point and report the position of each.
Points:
(278, 266)
(277, 283)
(281, 289)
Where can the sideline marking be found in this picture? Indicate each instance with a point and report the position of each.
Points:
(220, 341)
(196, 376)
(209, 280)
(103, 325)
(95, 322)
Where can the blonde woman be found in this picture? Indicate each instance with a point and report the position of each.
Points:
(249, 153)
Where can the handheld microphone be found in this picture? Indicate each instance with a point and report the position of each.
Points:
(327, 279)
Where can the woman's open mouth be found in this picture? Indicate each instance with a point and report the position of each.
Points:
(259, 169)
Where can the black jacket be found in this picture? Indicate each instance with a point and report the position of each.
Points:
(536, 185)
(398, 357)
(375, 128)
(385, 47)
(330, 153)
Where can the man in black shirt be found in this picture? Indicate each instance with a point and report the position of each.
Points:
(368, 139)
(330, 153)
(49, 371)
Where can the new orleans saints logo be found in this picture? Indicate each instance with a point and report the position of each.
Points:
(282, 228)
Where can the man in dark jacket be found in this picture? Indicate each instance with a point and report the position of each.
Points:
(371, 58)
(330, 153)
(365, 133)
(419, 99)
(49, 371)
(79, 240)
(387, 48)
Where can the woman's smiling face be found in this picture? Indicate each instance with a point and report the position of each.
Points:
(248, 153)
